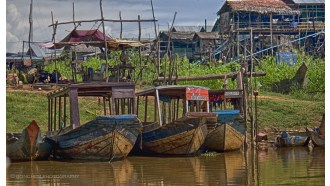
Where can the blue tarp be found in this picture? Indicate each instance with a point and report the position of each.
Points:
(289, 58)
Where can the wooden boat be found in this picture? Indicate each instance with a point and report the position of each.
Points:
(103, 138)
(229, 131)
(286, 139)
(318, 135)
(28, 145)
(177, 126)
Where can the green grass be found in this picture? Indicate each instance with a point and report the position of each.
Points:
(281, 112)
(289, 113)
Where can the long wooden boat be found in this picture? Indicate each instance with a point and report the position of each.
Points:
(229, 131)
(108, 137)
(286, 139)
(28, 145)
(177, 126)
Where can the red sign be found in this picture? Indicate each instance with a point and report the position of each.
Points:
(197, 94)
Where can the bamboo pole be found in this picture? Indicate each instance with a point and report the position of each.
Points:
(271, 32)
(30, 31)
(209, 77)
(54, 33)
(251, 87)
(105, 44)
(107, 20)
(157, 42)
(74, 23)
(139, 24)
(121, 25)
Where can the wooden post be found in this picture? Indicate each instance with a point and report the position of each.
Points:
(64, 118)
(146, 109)
(177, 108)
(109, 102)
(121, 26)
(74, 110)
(59, 112)
(237, 35)
(169, 112)
(155, 109)
(137, 105)
(114, 108)
(271, 33)
(54, 33)
(157, 41)
(104, 107)
(55, 112)
(49, 113)
(251, 87)
(122, 106)
(139, 27)
(31, 30)
(105, 45)
(158, 108)
(73, 15)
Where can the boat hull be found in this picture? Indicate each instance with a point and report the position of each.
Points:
(224, 138)
(291, 140)
(319, 140)
(229, 132)
(183, 137)
(29, 145)
(104, 138)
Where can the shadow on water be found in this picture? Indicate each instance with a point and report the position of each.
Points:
(287, 166)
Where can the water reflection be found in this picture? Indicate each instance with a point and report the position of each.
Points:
(276, 166)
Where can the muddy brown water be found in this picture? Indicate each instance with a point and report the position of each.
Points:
(286, 166)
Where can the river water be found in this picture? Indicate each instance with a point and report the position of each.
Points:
(286, 166)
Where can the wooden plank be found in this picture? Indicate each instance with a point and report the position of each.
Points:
(74, 111)
(123, 92)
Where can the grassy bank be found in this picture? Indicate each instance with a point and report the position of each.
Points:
(274, 110)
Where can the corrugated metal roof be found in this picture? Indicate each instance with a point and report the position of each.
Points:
(309, 1)
(262, 6)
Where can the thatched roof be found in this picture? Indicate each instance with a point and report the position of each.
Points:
(262, 6)
(207, 35)
(178, 35)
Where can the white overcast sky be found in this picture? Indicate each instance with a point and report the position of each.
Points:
(189, 12)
